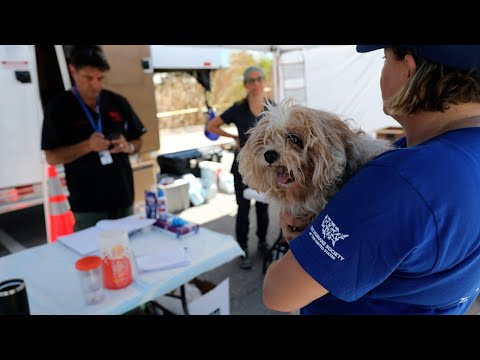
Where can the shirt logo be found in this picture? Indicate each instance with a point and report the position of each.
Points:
(330, 231)
(466, 298)
(115, 116)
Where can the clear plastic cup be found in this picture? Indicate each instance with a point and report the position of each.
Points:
(90, 274)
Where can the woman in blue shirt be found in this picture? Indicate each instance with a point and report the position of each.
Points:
(408, 220)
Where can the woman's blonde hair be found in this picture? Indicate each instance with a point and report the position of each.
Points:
(433, 87)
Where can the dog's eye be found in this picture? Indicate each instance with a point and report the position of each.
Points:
(294, 139)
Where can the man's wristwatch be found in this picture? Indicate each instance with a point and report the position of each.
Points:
(132, 148)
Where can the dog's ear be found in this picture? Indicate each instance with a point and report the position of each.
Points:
(246, 156)
(328, 145)
(240, 159)
(252, 173)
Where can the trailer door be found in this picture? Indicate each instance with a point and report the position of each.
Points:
(20, 117)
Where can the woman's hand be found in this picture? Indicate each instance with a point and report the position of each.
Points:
(291, 226)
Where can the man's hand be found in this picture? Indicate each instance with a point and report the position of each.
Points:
(291, 226)
(97, 142)
(120, 145)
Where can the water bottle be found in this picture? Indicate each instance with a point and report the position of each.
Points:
(151, 203)
(161, 204)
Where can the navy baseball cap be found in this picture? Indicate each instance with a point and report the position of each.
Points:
(463, 57)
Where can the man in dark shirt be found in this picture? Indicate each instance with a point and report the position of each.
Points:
(92, 131)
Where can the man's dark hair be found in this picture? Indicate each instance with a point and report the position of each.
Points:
(88, 55)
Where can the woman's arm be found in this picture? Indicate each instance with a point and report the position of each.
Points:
(214, 126)
(287, 286)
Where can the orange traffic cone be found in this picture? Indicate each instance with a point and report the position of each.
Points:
(60, 216)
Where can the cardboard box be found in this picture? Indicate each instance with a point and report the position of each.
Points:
(127, 77)
(144, 177)
(214, 302)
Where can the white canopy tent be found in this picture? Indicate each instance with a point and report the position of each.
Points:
(336, 78)
(330, 77)
(267, 48)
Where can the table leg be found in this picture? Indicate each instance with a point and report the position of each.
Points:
(182, 297)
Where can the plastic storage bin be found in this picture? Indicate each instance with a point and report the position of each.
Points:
(177, 195)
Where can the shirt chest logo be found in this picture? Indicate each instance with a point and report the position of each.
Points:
(115, 116)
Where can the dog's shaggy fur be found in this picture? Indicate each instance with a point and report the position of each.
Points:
(301, 156)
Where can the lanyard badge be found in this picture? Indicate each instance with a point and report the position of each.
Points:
(105, 156)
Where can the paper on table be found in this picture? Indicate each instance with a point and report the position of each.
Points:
(83, 242)
(86, 241)
(165, 258)
(129, 223)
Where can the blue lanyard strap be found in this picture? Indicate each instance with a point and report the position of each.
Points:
(97, 127)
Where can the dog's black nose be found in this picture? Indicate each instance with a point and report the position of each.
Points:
(271, 156)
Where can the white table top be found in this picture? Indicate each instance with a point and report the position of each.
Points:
(53, 285)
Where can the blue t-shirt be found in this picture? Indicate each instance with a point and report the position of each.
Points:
(402, 236)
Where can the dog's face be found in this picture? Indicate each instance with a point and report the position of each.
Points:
(294, 152)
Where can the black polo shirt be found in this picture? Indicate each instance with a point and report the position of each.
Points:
(240, 114)
(93, 186)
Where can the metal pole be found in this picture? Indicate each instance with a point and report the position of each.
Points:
(276, 76)
(46, 203)
(62, 64)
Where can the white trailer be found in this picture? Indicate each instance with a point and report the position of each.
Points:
(21, 118)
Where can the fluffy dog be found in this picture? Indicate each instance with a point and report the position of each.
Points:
(300, 157)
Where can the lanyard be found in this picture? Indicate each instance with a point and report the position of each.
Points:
(97, 127)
